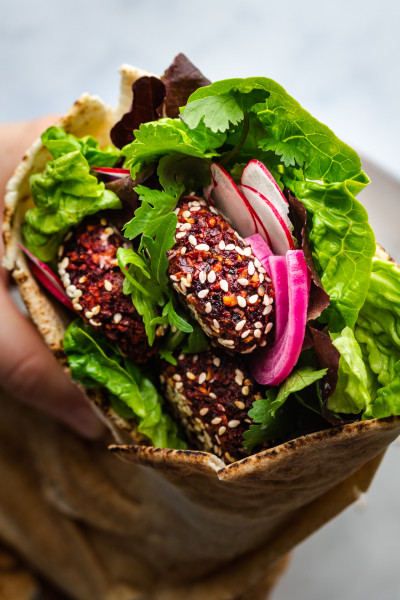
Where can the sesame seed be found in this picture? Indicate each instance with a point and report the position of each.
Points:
(212, 395)
(224, 285)
(78, 294)
(257, 263)
(247, 251)
(263, 343)
(216, 361)
(248, 350)
(181, 357)
(234, 423)
(262, 270)
(178, 385)
(241, 301)
(195, 208)
(253, 299)
(202, 378)
(203, 293)
(108, 285)
(109, 231)
(221, 430)
(266, 300)
(177, 377)
(77, 306)
(243, 281)
(194, 203)
(261, 290)
(216, 421)
(204, 247)
(212, 209)
(208, 307)
(94, 323)
(202, 276)
(221, 245)
(185, 282)
(186, 214)
(268, 328)
(182, 289)
(239, 380)
(251, 268)
(267, 310)
(64, 263)
(240, 325)
(257, 333)
(192, 240)
(245, 390)
(60, 251)
(180, 235)
(186, 226)
(230, 247)
(241, 405)
(215, 323)
(211, 276)
(88, 314)
(71, 289)
(203, 411)
(82, 279)
(117, 317)
(228, 343)
(190, 375)
(173, 277)
(96, 309)
(261, 277)
(103, 222)
(245, 334)
(183, 250)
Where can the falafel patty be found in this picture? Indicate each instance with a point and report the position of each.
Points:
(90, 273)
(210, 395)
(222, 282)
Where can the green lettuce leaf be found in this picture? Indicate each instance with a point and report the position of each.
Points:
(378, 326)
(342, 244)
(58, 142)
(63, 195)
(387, 402)
(95, 363)
(352, 395)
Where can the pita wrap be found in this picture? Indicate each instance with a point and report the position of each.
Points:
(204, 530)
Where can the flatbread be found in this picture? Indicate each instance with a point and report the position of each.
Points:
(251, 513)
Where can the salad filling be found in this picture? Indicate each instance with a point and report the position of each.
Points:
(221, 268)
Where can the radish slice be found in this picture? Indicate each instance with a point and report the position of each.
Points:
(257, 176)
(233, 205)
(277, 270)
(260, 248)
(279, 234)
(272, 365)
(112, 172)
(47, 278)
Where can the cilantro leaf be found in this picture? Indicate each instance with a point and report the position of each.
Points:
(157, 248)
(148, 218)
(270, 420)
(179, 173)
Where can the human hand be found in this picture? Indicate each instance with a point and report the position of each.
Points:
(28, 370)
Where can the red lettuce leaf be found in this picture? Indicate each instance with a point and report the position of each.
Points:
(148, 96)
(181, 79)
(319, 299)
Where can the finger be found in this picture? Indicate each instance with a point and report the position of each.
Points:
(30, 373)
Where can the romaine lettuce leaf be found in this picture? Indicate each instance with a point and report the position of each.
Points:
(95, 363)
(378, 325)
(342, 244)
(351, 395)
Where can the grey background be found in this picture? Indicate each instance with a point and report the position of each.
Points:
(340, 60)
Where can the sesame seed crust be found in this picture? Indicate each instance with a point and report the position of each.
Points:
(89, 270)
(227, 283)
(212, 400)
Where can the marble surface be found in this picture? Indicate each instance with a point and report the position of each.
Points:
(340, 60)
